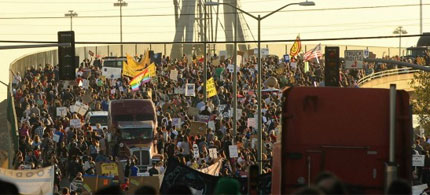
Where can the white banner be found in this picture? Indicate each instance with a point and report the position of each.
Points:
(34, 181)
(213, 169)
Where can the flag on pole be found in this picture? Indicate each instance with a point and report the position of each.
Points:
(143, 77)
(313, 53)
(296, 48)
(91, 53)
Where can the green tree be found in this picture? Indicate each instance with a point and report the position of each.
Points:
(421, 98)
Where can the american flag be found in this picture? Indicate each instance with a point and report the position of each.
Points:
(314, 53)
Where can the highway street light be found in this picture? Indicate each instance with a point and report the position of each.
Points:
(71, 14)
(120, 4)
(400, 31)
(259, 82)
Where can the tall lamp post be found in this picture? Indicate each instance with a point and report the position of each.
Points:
(120, 4)
(71, 14)
(259, 18)
(400, 31)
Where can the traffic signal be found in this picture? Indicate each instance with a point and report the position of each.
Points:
(332, 64)
(66, 55)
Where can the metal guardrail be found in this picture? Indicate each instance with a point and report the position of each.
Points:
(385, 73)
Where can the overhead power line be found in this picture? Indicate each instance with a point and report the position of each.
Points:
(254, 12)
(263, 41)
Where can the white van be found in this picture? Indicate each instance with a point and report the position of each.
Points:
(94, 117)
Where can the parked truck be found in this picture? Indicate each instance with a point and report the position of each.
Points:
(132, 122)
(363, 136)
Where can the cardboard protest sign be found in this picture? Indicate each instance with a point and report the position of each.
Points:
(109, 169)
(233, 151)
(190, 89)
(61, 111)
(74, 108)
(75, 123)
(197, 128)
(193, 111)
(213, 153)
(83, 109)
(174, 75)
(252, 122)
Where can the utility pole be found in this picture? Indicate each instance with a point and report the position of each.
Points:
(421, 16)
(71, 14)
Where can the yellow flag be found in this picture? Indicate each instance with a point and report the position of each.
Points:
(127, 71)
(146, 60)
(297, 46)
(132, 68)
(152, 70)
(210, 87)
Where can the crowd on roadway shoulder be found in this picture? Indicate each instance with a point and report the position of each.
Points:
(47, 139)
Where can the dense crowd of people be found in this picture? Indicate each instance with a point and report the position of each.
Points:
(38, 92)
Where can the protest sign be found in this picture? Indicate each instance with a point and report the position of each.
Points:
(252, 123)
(213, 153)
(75, 123)
(61, 111)
(83, 109)
(190, 89)
(233, 151)
(210, 87)
(197, 128)
(418, 160)
(354, 59)
(174, 75)
(109, 169)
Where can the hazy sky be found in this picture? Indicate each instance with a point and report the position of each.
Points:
(351, 18)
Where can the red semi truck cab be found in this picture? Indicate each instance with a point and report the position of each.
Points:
(345, 131)
(133, 122)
